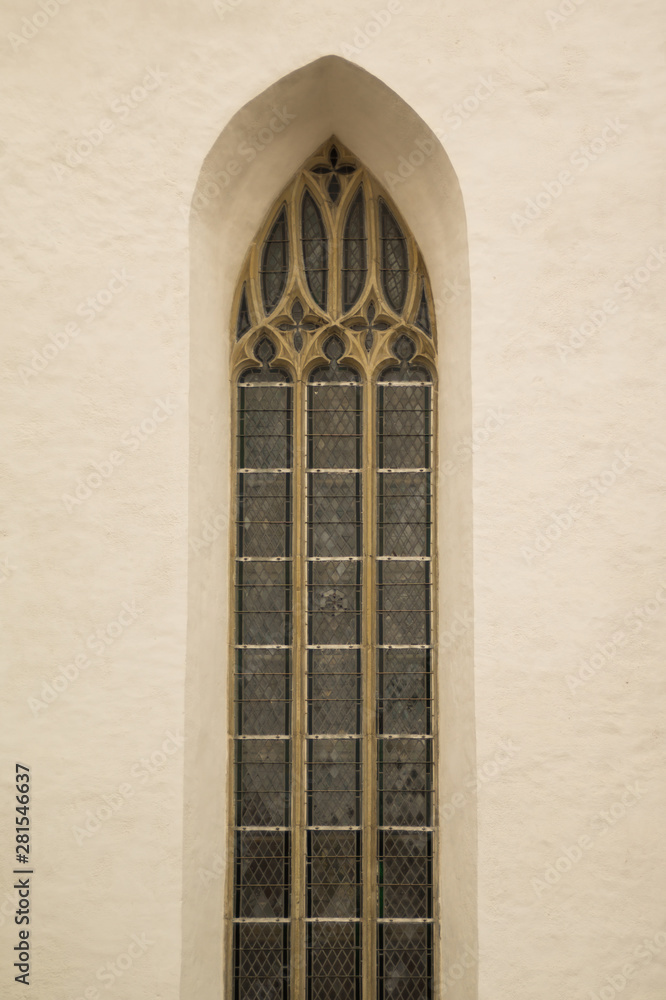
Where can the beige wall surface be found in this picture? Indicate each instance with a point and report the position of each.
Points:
(540, 217)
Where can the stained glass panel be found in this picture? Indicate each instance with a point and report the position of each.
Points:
(354, 253)
(315, 249)
(275, 263)
(394, 259)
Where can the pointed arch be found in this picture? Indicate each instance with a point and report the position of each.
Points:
(327, 97)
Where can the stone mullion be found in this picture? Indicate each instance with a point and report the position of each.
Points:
(298, 729)
(369, 772)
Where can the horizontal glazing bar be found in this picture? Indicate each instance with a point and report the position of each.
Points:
(261, 920)
(351, 645)
(248, 559)
(336, 472)
(396, 469)
(404, 558)
(333, 920)
(405, 920)
(334, 558)
(262, 737)
(411, 645)
(407, 829)
(262, 829)
(266, 645)
(333, 828)
(274, 385)
(246, 472)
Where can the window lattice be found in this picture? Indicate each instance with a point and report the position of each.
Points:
(332, 889)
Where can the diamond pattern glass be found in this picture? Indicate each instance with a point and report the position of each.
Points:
(354, 253)
(261, 953)
(262, 874)
(334, 603)
(405, 961)
(275, 263)
(262, 853)
(405, 874)
(262, 783)
(315, 249)
(334, 514)
(334, 782)
(264, 427)
(404, 427)
(403, 525)
(334, 873)
(264, 515)
(405, 782)
(334, 961)
(403, 691)
(263, 692)
(394, 260)
(334, 691)
(334, 426)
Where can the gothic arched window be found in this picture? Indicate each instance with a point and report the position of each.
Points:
(333, 822)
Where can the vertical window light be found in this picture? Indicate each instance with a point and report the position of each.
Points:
(334, 688)
(262, 848)
(404, 694)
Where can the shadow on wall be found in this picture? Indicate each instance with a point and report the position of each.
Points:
(254, 157)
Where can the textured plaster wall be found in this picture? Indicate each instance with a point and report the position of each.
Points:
(553, 123)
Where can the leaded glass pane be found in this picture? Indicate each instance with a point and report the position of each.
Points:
(404, 514)
(423, 315)
(262, 783)
(334, 782)
(404, 779)
(263, 691)
(262, 874)
(334, 514)
(244, 322)
(334, 961)
(334, 603)
(334, 691)
(263, 603)
(264, 427)
(405, 874)
(405, 961)
(334, 873)
(334, 427)
(394, 261)
(403, 590)
(315, 249)
(264, 515)
(354, 253)
(403, 691)
(275, 263)
(261, 952)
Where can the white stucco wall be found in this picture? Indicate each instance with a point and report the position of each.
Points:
(538, 94)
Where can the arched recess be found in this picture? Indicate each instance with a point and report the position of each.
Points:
(253, 158)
